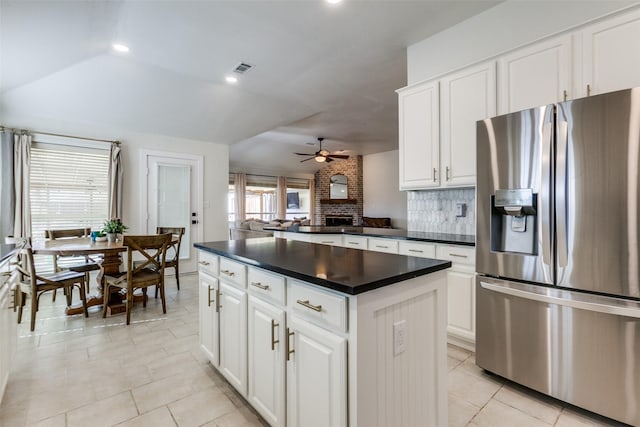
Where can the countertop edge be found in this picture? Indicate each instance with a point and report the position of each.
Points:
(442, 265)
(380, 235)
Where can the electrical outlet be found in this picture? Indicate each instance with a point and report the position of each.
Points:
(461, 210)
(399, 337)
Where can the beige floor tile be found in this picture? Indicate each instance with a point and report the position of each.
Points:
(240, 417)
(106, 412)
(167, 366)
(452, 363)
(460, 411)
(158, 393)
(160, 417)
(457, 352)
(12, 415)
(201, 407)
(497, 414)
(57, 421)
(577, 418)
(475, 390)
(65, 398)
(546, 410)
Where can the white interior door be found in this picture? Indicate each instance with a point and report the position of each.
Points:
(174, 199)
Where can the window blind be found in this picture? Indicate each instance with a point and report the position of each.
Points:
(69, 188)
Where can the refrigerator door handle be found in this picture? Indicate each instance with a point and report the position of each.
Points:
(582, 302)
(561, 190)
(545, 194)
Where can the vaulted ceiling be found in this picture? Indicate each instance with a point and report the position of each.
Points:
(320, 69)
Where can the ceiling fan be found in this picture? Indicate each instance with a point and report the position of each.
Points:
(322, 155)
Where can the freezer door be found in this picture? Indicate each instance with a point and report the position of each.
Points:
(598, 189)
(576, 347)
(514, 158)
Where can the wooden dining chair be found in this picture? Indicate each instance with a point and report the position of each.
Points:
(173, 252)
(84, 264)
(149, 272)
(31, 283)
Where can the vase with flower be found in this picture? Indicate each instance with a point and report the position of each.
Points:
(112, 228)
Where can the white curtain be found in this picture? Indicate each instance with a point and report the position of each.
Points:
(240, 185)
(7, 192)
(115, 182)
(312, 201)
(281, 198)
(21, 169)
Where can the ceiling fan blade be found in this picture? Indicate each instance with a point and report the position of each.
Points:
(329, 159)
(338, 156)
(305, 154)
(312, 157)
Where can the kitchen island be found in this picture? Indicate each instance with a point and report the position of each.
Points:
(317, 335)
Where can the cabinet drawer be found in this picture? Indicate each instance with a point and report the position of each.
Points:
(208, 263)
(419, 249)
(266, 285)
(383, 245)
(456, 254)
(356, 242)
(318, 306)
(327, 239)
(233, 272)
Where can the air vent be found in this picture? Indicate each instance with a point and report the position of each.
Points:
(242, 68)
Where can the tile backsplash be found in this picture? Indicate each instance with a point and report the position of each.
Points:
(434, 211)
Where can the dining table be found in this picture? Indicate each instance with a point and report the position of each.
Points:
(110, 263)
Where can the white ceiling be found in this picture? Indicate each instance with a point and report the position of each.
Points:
(320, 69)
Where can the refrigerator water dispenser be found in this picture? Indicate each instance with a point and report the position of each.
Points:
(513, 221)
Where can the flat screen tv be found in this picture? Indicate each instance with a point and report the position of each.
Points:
(293, 201)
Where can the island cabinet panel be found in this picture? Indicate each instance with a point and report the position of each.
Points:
(316, 376)
(208, 304)
(266, 360)
(233, 333)
(400, 364)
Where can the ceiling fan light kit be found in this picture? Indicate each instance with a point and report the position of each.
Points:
(321, 155)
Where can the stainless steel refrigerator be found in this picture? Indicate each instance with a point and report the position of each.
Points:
(558, 251)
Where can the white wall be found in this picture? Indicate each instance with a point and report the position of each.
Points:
(380, 187)
(504, 27)
(216, 167)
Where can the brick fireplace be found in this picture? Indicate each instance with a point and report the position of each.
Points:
(351, 207)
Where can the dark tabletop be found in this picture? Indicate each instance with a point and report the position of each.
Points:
(390, 233)
(351, 271)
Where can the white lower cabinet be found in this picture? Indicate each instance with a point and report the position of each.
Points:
(461, 328)
(233, 334)
(208, 304)
(316, 376)
(8, 322)
(266, 360)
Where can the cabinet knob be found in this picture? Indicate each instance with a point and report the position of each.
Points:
(434, 174)
(588, 90)
(274, 341)
(289, 350)
(447, 173)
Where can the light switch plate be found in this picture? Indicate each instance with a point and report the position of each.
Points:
(399, 337)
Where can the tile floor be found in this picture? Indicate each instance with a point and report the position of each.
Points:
(98, 372)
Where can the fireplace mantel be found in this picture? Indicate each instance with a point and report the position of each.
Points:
(338, 201)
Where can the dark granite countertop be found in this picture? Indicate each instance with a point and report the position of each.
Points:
(6, 251)
(390, 233)
(351, 271)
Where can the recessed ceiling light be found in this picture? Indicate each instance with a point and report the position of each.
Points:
(231, 79)
(120, 47)
(333, 1)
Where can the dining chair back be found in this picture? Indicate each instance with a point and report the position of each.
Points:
(173, 254)
(84, 264)
(34, 284)
(141, 274)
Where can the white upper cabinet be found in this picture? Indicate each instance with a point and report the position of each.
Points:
(611, 55)
(419, 135)
(536, 75)
(467, 96)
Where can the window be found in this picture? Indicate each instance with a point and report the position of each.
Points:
(231, 199)
(298, 191)
(260, 197)
(69, 187)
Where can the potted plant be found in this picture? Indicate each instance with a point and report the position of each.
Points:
(112, 227)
